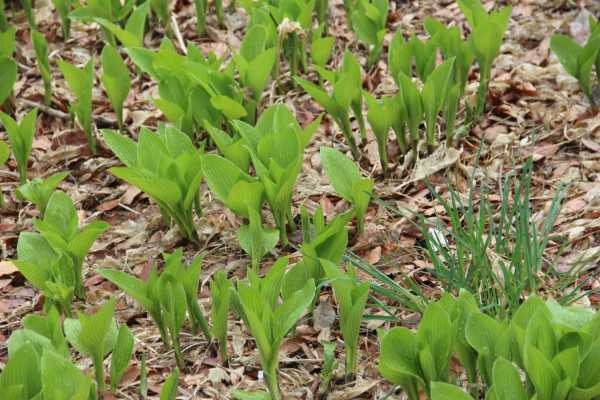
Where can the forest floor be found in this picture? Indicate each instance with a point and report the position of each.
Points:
(534, 109)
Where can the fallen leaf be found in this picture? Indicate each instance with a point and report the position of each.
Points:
(440, 159)
(7, 268)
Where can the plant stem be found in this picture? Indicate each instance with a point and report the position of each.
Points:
(357, 110)
(201, 6)
(47, 92)
(344, 123)
(272, 382)
(99, 371)
(482, 92)
(178, 355)
(219, 12)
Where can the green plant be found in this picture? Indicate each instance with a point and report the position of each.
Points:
(28, 9)
(115, 78)
(487, 32)
(3, 20)
(321, 46)
(4, 154)
(578, 60)
(220, 294)
(269, 321)
(167, 298)
(42, 331)
(169, 389)
(64, 8)
(351, 297)
(381, 118)
(319, 241)
(38, 191)
(202, 12)
(346, 94)
(233, 148)
(132, 34)
(192, 88)
(121, 356)
(8, 66)
(166, 166)
(254, 63)
(369, 20)
(113, 11)
(550, 345)
(161, 9)
(21, 136)
(329, 366)
(414, 360)
(256, 240)
(81, 81)
(499, 258)
(347, 181)
(276, 145)
(40, 45)
(95, 336)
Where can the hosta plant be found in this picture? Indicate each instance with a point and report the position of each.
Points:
(369, 21)
(268, 319)
(579, 60)
(487, 32)
(115, 78)
(4, 154)
(166, 166)
(113, 11)
(20, 134)
(321, 46)
(553, 347)
(202, 11)
(64, 8)
(320, 240)
(254, 63)
(81, 80)
(351, 296)
(193, 88)
(220, 294)
(40, 45)
(8, 66)
(94, 336)
(346, 95)
(276, 146)
(38, 191)
(347, 181)
(53, 258)
(168, 298)
(132, 33)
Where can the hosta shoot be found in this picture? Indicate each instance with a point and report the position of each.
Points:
(579, 60)
(169, 298)
(220, 294)
(20, 134)
(40, 45)
(114, 12)
(81, 80)
(115, 78)
(58, 250)
(4, 154)
(38, 191)
(346, 95)
(8, 66)
(28, 9)
(487, 32)
(369, 20)
(64, 7)
(347, 181)
(95, 336)
(167, 167)
(269, 320)
(132, 34)
(351, 297)
(276, 146)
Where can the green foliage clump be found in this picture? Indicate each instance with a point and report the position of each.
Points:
(116, 81)
(369, 19)
(166, 166)
(20, 134)
(52, 258)
(257, 301)
(169, 298)
(38, 191)
(552, 346)
(8, 66)
(40, 45)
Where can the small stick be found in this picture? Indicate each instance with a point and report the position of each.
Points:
(62, 115)
(178, 34)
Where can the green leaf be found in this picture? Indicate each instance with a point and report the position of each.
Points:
(231, 108)
(24, 370)
(169, 389)
(507, 381)
(541, 373)
(341, 171)
(8, 77)
(254, 239)
(446, 391)
(21, 136)
(115, 78)
(63, 380)
(121, 356)
(321, 50)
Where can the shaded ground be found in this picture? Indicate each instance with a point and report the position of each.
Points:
(531, 97)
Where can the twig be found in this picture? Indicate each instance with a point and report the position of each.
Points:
(62, 115)
(178, 34)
